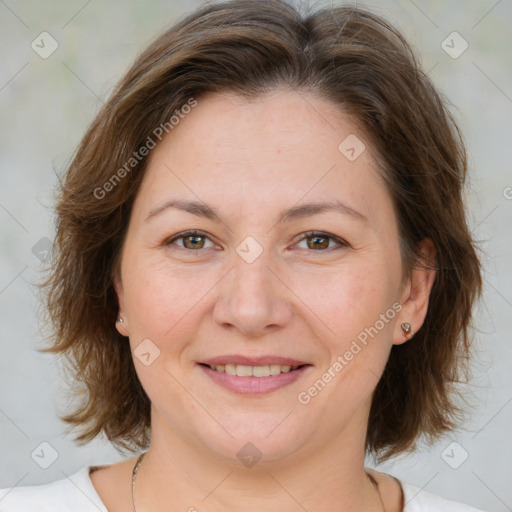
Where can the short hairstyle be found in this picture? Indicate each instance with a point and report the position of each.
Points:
(347, 55)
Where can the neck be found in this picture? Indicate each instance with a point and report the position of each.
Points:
(191, 478)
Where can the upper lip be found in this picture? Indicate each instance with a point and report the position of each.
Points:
(253, 361)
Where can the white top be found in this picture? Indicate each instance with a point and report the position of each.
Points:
(77, 493)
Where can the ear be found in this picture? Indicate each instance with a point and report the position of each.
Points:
(416, 293)
(121, 326)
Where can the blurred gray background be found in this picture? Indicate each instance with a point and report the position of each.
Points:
(48, 100)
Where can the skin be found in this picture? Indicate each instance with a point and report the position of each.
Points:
(250, 160)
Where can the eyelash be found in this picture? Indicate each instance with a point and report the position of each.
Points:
(306, 235)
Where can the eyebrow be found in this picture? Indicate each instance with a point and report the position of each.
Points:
(291, 214)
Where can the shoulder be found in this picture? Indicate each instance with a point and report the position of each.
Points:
(417, 500)
(75, 492)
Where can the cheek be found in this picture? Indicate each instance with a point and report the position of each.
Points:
(160, 298)
(360, 313)
(164, 306)
(348, 300)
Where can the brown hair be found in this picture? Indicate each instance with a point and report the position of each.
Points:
(347, 55)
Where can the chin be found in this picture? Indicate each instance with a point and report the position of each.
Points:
(259, 441)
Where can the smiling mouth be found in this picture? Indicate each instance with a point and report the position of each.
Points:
(241, 370)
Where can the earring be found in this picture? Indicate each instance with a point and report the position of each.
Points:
(406, 327)
(120, 320)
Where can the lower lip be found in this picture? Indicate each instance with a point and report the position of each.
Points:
(254, 385)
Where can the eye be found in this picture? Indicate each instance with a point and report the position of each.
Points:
(195, 239)
(191, 240)
(321, 241)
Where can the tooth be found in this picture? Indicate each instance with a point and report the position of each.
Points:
(243, 371)
(230, 369)
(261, 371)
(275, 369)
(249, 371)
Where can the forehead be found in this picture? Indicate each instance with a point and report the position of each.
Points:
(282, 147)
(283, 120)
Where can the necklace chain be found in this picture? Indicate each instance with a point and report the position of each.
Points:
(141, 457)
(134, 476)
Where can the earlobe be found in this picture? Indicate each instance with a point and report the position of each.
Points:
(121, 326)
(121, 323)
(416, 295)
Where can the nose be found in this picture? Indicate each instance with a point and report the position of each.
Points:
(253, 298)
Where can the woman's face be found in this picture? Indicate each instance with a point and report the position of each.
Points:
(253, 286)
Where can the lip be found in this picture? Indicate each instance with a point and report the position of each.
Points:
(253, 361)
(254, 385)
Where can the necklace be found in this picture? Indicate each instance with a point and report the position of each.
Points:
(139, 460)
(134, 476)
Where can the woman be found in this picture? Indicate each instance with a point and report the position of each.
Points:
(263, 270)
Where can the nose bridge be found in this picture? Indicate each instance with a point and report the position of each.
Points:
(251, 273)
(253, 298)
